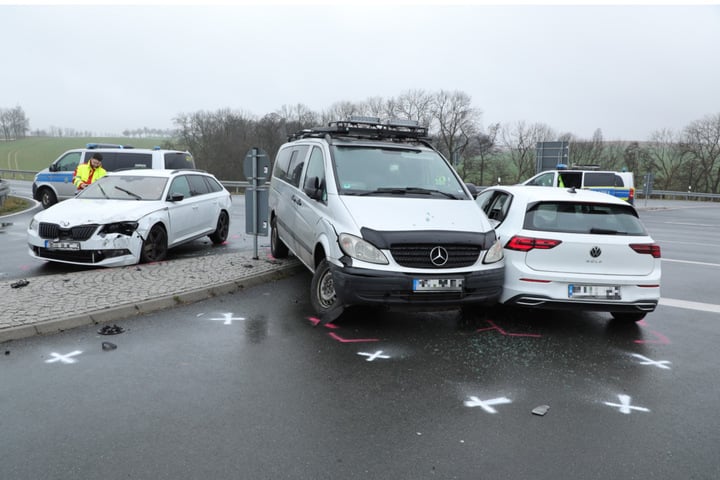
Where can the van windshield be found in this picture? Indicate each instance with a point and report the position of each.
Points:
(368, 170)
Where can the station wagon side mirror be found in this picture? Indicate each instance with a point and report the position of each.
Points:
(176, 197)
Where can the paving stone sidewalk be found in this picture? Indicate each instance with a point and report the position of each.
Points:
(53, 303)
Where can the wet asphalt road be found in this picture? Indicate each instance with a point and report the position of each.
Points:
(247, 386)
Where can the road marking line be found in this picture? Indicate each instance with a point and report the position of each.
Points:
(703, 307)
(624, 406)
(691, 262)
(487, 405)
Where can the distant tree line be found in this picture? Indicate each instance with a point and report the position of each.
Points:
(688, 159)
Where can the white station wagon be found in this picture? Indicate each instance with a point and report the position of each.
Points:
(130, 217)
(574, 249)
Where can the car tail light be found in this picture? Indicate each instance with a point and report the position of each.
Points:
(649, 248)
(525, 244)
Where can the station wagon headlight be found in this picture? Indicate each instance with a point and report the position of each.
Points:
(359, 249)
(33, 225)
(494, 253)
(123, 228)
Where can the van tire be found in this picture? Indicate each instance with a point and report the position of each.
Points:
(322, 291)
(277, 248)
(47, 197)
(154, 248)
(221, 231)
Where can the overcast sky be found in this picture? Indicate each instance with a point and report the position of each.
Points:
(628, 70)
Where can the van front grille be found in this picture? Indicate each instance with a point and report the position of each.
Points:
(420, 255)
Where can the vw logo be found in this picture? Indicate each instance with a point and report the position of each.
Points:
(438, 256)
(595, 252)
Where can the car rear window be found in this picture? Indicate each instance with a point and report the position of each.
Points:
(578, 217)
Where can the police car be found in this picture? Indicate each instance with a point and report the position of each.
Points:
(55, 183)
(617, 184)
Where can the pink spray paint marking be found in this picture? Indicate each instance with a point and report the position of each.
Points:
(315, 321)
(660, 339)
(508, 334)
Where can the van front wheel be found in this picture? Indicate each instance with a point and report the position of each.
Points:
(277, 248)
(322, 290)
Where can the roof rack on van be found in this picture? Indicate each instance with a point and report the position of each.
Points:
(369, 128)
(592, 166)
(92, 146)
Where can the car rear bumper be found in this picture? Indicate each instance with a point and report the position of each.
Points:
(358, 286)
(537, 301)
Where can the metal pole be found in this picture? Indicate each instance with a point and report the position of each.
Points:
(255, 202)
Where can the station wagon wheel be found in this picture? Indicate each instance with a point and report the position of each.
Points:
(322, 289)
(628, 317)
(154, 248)
(221, 231)
(277, 248)
(47, 197)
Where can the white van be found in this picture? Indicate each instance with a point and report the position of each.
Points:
(617, 184)
(55, 183)
(380, 217)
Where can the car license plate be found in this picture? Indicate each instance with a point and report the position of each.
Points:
(438, 285)
(608, 292)
(62, 245)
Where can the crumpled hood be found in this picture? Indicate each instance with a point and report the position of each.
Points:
(412, 213)
(79, 211)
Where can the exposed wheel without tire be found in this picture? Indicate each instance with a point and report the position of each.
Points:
(628, 317)
(322, 290)
(277, 248)
(154, 248)
(47, 197)
(221, 231)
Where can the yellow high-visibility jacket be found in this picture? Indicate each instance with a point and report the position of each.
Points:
(84, 173)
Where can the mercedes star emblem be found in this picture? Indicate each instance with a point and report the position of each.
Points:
(438, 256)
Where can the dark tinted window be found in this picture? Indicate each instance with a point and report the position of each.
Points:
(198, 186)
(570, 179)
(281, 163)
(178, 160)
(602, 179)
(571, 217)
(297, 161)
(123, 160)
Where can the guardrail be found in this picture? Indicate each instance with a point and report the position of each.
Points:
(4, 191)
(239, 186)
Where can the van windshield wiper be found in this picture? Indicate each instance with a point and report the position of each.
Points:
(138, 197)
(406, 190)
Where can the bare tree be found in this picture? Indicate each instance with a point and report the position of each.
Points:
(456, 122)
(413, 105)
(520, 141)
(701, 147)
(665, 157)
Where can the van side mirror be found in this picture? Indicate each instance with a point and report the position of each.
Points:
(53, 167)
(314, 188)
(473, 189)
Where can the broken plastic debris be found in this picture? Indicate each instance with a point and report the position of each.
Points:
(20, 283)
(108, 346)
(110, 330)
(541, 410)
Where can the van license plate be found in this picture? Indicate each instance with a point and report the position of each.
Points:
(438, 285)
(63, 245)
(608, 292)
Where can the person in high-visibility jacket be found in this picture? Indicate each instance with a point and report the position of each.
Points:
(87, 173)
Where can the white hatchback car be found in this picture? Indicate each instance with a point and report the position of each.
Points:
(574, 249)
(130, 217)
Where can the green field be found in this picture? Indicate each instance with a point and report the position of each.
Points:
(36, 153)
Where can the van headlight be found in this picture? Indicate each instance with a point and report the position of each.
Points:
(494, 253)
(359, 249)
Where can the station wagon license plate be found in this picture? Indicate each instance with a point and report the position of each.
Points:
(438, 285)
(607, 292)
(62, 245)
